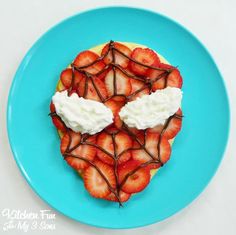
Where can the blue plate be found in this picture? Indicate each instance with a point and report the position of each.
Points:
(198, 148)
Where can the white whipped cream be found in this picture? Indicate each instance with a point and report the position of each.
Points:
(151, 110)
(82, 115)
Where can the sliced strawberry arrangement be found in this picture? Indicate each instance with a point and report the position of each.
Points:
(172, 129)
(56, 120)
(115, 106)
(86, 58)
(95, 183)
(151, 145)
(114, 147)
(58, 123)
(173, 79)
(68, 76)
(71, 141)
(123, 197)
(122, 83)
(93, 90)
(104, 141)
(52, 107)
(119, 58)
(145, 56)
(114, 163)
(138, 89)
(136, 181)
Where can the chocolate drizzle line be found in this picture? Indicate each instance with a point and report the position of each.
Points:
(84, 137)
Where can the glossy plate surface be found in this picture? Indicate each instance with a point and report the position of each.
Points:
(197, 151)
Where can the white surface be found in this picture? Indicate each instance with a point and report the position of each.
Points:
(212, 21)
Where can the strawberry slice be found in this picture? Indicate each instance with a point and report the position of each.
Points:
(115, 107)
(145, 56)
(71, 140)
(102, 75)
(138, 89)
(52, 107)
(95, 183)
(154, 73)
(123, 197)
(86, 58)
(135, 131)
(112, 129)
(135, 182)
(121, 143)
(123, 86)
(151, 145)
(119, 58)
(96, 89)
(172, 129)
(71, 92)
(174, 79)
(104, 140)
(66, 78)
(58, 123)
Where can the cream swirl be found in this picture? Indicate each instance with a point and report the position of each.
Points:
(82, 115)
(151, 110)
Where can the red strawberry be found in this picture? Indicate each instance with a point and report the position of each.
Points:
(151, 144)
(154, 73)
(85, 151)
(135, 182)
(122, 142)
(102, 75)
(52, 107)
(172, 129)
(66, 78)
(71, 92)
(115, 107)
(123, 197)
(58, 123)
(111, 129)
(104, 140)
(71, 138)
(123, 86)
(139, 135)
(92, 93)
(174, 79)
(95, 183)
(111, 104)
(119, 59)
(138, 86)
(135, 131)
(145, 56)
(88, 57)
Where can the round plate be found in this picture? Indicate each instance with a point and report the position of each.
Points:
(198, 148)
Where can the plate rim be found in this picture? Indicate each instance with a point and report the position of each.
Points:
(24, 63)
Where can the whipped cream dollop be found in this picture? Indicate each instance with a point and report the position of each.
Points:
(151, 110)
(82, 115)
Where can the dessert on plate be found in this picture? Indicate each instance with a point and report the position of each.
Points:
(117, 112)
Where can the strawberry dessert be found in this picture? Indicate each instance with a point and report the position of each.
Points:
(117, 112)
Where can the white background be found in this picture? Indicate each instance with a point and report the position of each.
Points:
(212, 21)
